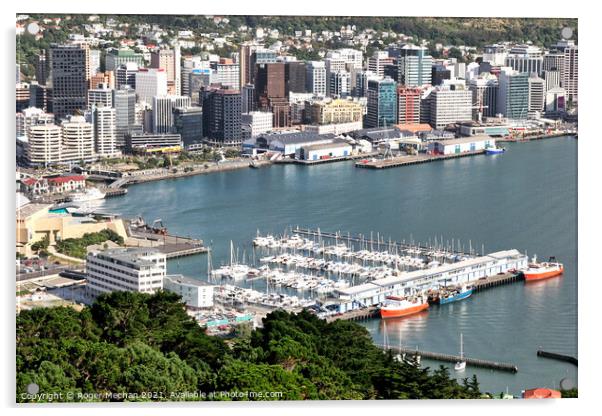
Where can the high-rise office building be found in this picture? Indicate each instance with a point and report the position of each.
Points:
(94, 65)
(150, 83)
(525, 58)
(169, 60)
(22, 96)
(378, 61)
(537, 96)
(495, 54)
(100, 96)
(125, 74)
(552, 78)
(163, 108)
(70, 78)
(269, 84)
(513, 94)
(124, 101)
(248, 98)
(226, 73)
(39, 96)
(552, 61)
(414, 66)
(221, 115)
(259, 56)
(316, 78)
(570, 72)
(42, 68)
(335, 112)
(484, 95)
(295, 73)
(333, 65)
(408, 105)
(340, 84)
(105, 131)
(349, 56)
(382, 103)
(449, 105)
(188, 123)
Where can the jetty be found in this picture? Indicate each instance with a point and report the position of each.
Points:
(557, 356)
(398, 161)
(475, 362)
(496, 280)
(377, 244)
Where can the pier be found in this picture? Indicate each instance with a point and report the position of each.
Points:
(496, 280)
(377, 244)
(475, 362)
(557, 356)
(411, 160)
(172, 246)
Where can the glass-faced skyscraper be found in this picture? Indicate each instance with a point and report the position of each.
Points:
(382, 103)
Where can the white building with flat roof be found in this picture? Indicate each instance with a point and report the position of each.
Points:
(194, 293)
(125, 269)
(259, 121)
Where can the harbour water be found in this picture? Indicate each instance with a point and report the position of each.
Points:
(525, 198)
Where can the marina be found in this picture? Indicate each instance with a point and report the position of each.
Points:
(415, 203)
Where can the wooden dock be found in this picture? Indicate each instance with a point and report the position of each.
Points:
(474, 362)
(497, 280)
(557, 356)
(411, 160)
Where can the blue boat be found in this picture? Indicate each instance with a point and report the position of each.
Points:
(464, 293)
(494, 150)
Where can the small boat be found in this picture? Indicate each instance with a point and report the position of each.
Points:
(90, 194)
(461, 365)
(395, 307)
(494, 150)
(545, 270)
(460, 294)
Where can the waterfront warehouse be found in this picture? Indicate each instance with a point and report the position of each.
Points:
(374, 292)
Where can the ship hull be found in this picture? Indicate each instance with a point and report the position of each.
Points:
(460, 296)
(530, 277)
(494, 151)
(396, 313)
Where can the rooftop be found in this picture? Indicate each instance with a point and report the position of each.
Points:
(296, 138)
(28, 210)
(463, 140)
(130, 255)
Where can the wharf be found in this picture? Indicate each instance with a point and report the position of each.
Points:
(475, 362)
(355, 315)
(557, 356)
(171, 245)
(111, 192)
(535, 137)
(322, 161)
(411, 160)
(496, 280)
(377, 244)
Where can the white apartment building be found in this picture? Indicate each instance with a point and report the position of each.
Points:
(150, 83)
(260, 122)
(78, 140)
(125, 269)
(44, 144)
(29, 117)
(194, 293)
